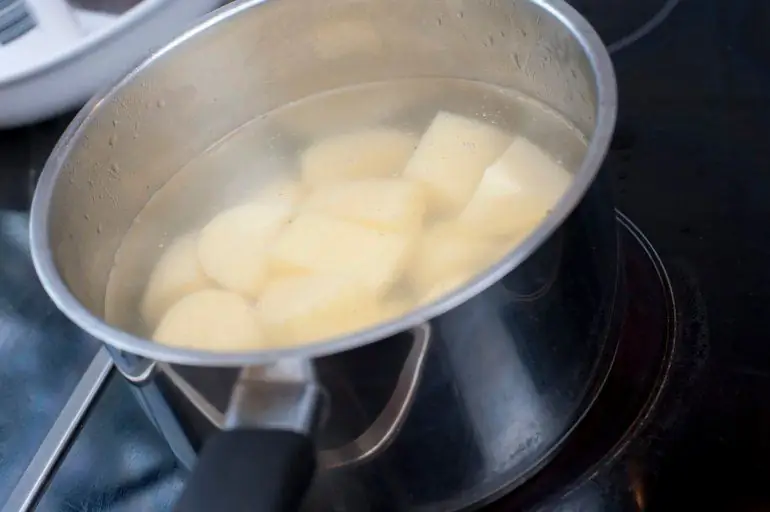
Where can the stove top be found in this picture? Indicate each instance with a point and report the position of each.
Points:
(684, 415)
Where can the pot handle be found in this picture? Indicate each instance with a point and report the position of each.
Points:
(387, 425)
(249, 470)
(264, 459)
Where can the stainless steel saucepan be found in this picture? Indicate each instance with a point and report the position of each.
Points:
(439, 409)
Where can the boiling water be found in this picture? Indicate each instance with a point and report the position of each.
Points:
(236, 167)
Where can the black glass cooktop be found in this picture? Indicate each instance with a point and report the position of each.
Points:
(691, 162)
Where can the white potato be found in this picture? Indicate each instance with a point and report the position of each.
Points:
(177, 273)
(211, 320)
(233, 246)
(372, 153)
(389, 204)
(445, 286)
(315, 243)
(285, 193)
(445, 251)
(395, 307)
(516, 192)
(302, 308)
(451, 157)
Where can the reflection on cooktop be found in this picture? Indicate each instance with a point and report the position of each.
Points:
(663, 343)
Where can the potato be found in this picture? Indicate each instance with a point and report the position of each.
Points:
(286, 192)
(388, 204)
(451, 157)
(371, 153)
(445, 251)
(233, 247)
(516, 192)
(445, 286)
(395, 307)
(177, 273)
(304, 308)
(211, 320)
(315, 243)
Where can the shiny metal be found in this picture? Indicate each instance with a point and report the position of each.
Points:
(137, 370)
(155, 407)
(383, 430)
(375, 438)
(110, 170)
(33, 479)
(283, 396)
(515, 358)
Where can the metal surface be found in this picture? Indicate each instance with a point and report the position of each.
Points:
(386, 426)
(56, 441)
(695, 113)
(591, 473)
(281, 396)
(125, 144)
(516, 357)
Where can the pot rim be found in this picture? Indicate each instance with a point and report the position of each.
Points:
(54, 285)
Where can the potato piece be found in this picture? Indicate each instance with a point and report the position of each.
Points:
(315, 243)
(233, 247)
(296, 309)
(516, 192)
(445, 286)
(372, 153)
(211, 320)
(395, 307)
(388, 204)
(451, 157)
(445, 251)
(177, 273)
(285, 192)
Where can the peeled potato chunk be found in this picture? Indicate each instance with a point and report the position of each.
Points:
(302, 308)
(233, 246)
(451, 157)
(395, 307)
(388, 204)
(516, 191)
(373, 153)
(211, 320)
(315, 243)
(445, 251)
(285, 192)
(445, 286)
(177, 273)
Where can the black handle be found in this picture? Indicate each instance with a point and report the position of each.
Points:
(250, 471)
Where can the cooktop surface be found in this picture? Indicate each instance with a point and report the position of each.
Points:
(689, 159)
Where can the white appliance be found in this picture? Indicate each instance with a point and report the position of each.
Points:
(55, 54)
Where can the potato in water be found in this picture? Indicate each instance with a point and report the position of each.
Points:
(451, 158)
(296, 309)
(387, 204)
(516, 192)
(213, 320)
(376, 223)
(321, 244)
(177, 273)
(376, 153)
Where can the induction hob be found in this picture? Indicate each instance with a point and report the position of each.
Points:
(683, 420)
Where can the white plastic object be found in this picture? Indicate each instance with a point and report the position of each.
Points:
(40, 79)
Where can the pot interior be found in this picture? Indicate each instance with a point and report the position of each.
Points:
(182, 110)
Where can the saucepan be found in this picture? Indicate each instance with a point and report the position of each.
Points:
(491, 378)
